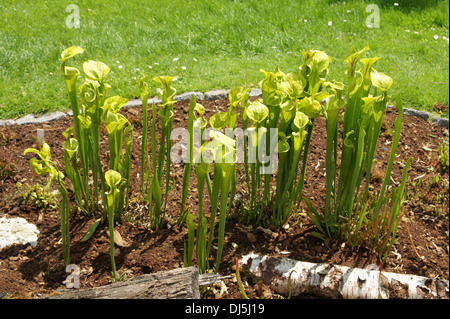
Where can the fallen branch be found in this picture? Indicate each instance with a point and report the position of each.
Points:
(331, 281)
(181, 283)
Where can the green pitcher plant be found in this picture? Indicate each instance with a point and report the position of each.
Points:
(220, 153)
(43, 166)
(154, 194)
(283, 121)
(113, 180)
(92, 111)
(277, 132)
(351, 213)
(223, 154)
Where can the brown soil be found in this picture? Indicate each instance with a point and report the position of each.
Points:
(423, 236)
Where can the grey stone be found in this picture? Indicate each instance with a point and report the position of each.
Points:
(188, 96)
(31, 119)
(133, 103)
(51, 117)
(216, 95)
(27, 119)
(17, 230)
(412, 112)
(255, 92)
(154, 100)
(7, 122)
(440, 121)
(138, 102)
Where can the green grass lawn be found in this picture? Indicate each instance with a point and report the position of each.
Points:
(216, 44)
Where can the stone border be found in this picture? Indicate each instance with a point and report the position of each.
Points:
(209, 96)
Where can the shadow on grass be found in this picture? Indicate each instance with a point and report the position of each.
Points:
(404, 5)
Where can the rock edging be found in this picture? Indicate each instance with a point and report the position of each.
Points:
(209, 96)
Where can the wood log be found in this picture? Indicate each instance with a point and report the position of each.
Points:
(181, 283)
(332, 281)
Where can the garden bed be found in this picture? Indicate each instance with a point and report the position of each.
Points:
(423, 234)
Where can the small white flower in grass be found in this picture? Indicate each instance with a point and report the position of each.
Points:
(195, 59)
(415, 32)
(330, 23)
(305, 20)
(120, 67)
(396, 4)
(433, 29)
(345, 20)
(118, 62)
(348, 11)
(175, 59)
(175, 78)
(406, 30)
(436, 37)
(150, 67)
(156, 63)
(183, 68)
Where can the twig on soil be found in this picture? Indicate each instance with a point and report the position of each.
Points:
(412, 242)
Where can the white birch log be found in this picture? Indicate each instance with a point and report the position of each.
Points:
(333, 281)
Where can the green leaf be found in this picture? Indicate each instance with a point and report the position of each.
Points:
(316, 234)
(71, 146)
(113, 178)
(91, 230)
(68, 132)
(114, 103)
(222, 148)
(335, 85)
(348, 141)
(272, 76)
(219, 120)
(283, 146)
(45, 152)
(311, 108)
(164, 80)
(70, 73)
(31, 150)
(381, 80)
(366, 71)
(300, 120)
(292, 89)
(353, 59)
(200, 109)
(257, 112)
(95, 70)
(37, 167)
(114, 122)
(86, 121)
(318, 61)
(237, 94)
(89, 91)
(70, 52)
(271, 88)
(143, 85)
(222, 138)
(167, 91)
(201, 166)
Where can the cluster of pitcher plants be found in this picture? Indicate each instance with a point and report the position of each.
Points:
(270, 151)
